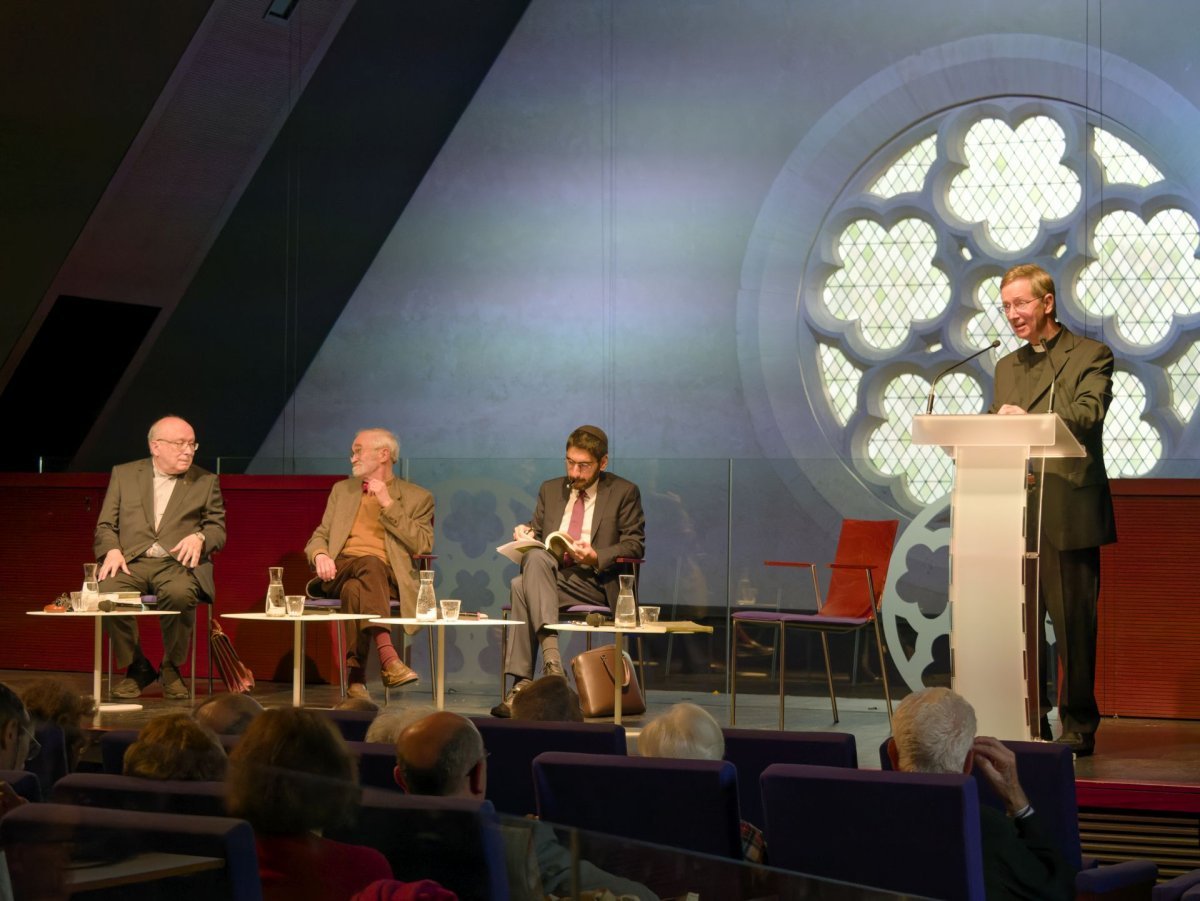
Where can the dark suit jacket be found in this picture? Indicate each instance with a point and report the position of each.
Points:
(127, 517)
(1020, 859)
(618, 524)
(1076, 505)
(407, 530)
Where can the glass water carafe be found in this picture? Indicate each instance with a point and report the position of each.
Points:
(626, 613)
(426, 602)
(275, 602)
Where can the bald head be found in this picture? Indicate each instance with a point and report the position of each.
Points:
(441, 754)
(227, 714)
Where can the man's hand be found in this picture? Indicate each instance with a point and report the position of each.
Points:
(522, 531)
(188, 550)
(1009, 410)
(379, 489)
(114, 560)
(326, 569)
(584, 553)
(998, 765)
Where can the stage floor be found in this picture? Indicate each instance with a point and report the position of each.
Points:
(1127, 750)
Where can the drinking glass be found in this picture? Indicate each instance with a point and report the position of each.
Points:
(649, 614)
(295, 604)
(450, 608)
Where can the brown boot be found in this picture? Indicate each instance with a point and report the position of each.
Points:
(397, 673)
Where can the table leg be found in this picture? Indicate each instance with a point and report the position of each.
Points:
(441, 667)
(618, 675)
(297, 663)
(96, 661)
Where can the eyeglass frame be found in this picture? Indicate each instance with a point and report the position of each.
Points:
(581, 465)
(1006, 308)
(180, 443)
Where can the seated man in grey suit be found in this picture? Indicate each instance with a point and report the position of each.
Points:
(603, 515)
(374, 524)
(161, 522)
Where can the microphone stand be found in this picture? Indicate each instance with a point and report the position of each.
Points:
(949, 369)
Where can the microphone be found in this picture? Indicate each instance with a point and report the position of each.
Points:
(950, 369)
(1053, 372)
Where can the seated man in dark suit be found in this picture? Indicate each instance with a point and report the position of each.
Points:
(933, 731)
(17, 744)
(162, 520)
(443, 755)
(603, 515)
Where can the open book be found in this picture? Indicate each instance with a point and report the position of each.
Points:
(557, 543)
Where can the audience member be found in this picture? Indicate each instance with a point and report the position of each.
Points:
(933, 731)
(443, 755)
(689, 732)
(53, 700)
(174, 746)
(291, 776)
(386, 727)
(550, 699)
(352, 703)
(17, 743)
(227, 714)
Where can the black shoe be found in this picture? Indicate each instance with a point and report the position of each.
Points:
(503, 710)
(1047, 734)
(139, 675)
(1082, 744)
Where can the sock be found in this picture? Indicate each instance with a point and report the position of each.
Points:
(550, 650)
(387, 652)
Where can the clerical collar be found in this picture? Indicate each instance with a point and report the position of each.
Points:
(1050, 342)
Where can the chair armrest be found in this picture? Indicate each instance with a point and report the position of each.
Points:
(860, 566)
(1175, 889)
(636, 560)
(1117, 877)
(788, 563)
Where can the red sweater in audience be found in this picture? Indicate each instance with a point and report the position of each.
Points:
(301, 867)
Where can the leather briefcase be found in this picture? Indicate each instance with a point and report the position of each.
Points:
(594, 680)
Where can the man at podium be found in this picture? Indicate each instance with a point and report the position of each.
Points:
(1060, 372)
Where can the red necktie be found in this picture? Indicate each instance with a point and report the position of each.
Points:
(575, 526)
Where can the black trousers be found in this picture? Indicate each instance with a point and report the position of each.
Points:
(1070, 592)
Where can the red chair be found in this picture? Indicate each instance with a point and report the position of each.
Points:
(852, 604)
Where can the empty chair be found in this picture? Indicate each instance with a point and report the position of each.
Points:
(753, 750)
(134, 793)
(852, 604)
(512, 745)
(41, 840)
(916, 833)
(454, 841)
(376, 764)
(50, 764)
(353, 724)
(689, 804)
(24, 783)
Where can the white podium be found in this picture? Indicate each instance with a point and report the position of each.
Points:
(991, 664)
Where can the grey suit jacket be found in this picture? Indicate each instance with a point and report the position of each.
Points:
(1077, 504)
(407, 530)
(127, 516)
(618, 523)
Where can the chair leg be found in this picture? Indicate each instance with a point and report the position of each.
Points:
(782, 639)
(829, 675)
(208, 644)
(887, 691)
(642, 669)
(732, 675)
(192, 689)
(339, 640)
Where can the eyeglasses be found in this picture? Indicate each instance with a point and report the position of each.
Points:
(1006, 308)
(180, 444)
(581, 465)
(35, 746)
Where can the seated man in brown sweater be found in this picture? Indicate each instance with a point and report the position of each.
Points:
(362, 552)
